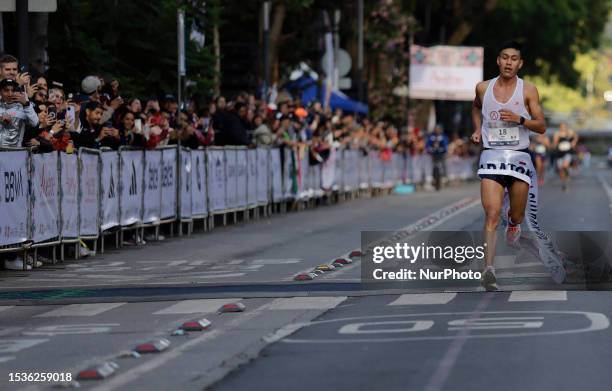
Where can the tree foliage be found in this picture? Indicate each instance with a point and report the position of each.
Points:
(134, 41)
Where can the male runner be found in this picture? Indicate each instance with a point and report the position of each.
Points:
(504, 111)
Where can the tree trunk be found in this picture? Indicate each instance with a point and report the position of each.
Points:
(275, 32)
(39, 22)
(217, 51)
(465, 27)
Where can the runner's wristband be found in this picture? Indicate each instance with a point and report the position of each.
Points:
(522, 120)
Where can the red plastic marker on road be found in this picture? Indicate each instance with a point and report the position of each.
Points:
(343, 261)
(155, 346)
(304, 277)
(196, 325)
(101, 371)
(232, 307)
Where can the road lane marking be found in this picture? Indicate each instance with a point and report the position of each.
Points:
(80, 310)
(423, 224)
(17, 345)
(424, 298)
(607, 188)
(517, 296)
(7, 358)
(70, 329)
(135, 373)
(305, 303)
(597, 322)
(199, 306)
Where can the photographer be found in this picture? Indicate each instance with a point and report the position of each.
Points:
(16, 112)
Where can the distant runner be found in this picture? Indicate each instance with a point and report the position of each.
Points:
(504, 111)
(564, 143)
(540, 150)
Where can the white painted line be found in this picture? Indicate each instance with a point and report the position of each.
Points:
(305, 303)
(463, 204)
(607, 188)
(597, 322)
(200, 306)
(7, 358)
(17, 345)
(132, 374)
(5, 307)
(80, 310)
(476, 201)
(277, 261)
(226, 275)
(424, 298)
(538, 296)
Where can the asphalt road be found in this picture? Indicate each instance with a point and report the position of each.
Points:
(329, 333)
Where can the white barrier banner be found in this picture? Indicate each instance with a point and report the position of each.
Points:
(89, 183)
(168, 183)
(14, 198)
(262, 176)
(231, 189)
(152, 186)
(328, 170)
(110, 190)
(400, 167)
(376, 170)
(351, 169)
(316, 180)
(288, 174)
(216, 180)
(252, 177)
(70, 195)
(45, 197)
(304, 182)
(276, 173)
(185, 170)
(199, 203)
(364, 171)
(132, 169)
(241, 178)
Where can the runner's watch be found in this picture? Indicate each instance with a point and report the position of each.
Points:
(522, 120)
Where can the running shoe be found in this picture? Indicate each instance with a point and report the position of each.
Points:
(488, 279)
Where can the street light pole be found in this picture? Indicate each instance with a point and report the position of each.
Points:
(266, 48)
(336, 48)
(360, 50)
(21, 6)
(181, 72)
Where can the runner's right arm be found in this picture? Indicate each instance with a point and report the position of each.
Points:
(477, 114)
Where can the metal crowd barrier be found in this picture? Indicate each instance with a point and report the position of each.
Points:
(57, 198)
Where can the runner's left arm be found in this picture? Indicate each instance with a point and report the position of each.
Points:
(537, 123)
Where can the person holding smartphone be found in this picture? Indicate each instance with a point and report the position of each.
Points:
(131, 131)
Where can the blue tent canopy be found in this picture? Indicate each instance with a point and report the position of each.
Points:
(308, 88)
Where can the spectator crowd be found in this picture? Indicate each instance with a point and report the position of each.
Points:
(39, 114)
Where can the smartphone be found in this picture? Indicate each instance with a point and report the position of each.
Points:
(70, 114)
(138, 125)
(51, 113)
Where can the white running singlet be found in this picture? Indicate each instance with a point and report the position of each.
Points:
(498, 134)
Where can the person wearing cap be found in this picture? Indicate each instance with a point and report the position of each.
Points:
(91, 87)
(16, 112)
